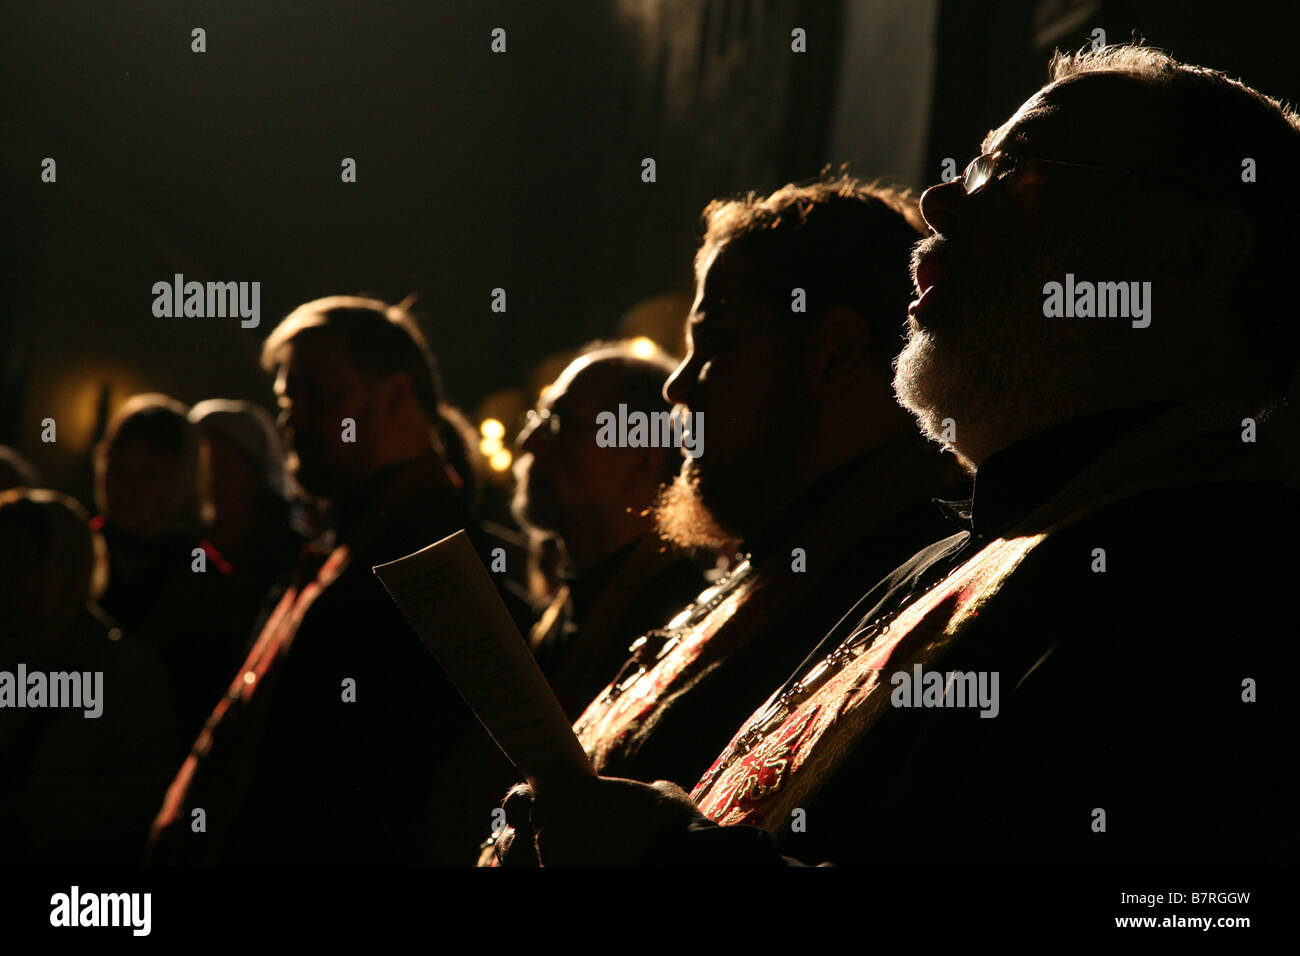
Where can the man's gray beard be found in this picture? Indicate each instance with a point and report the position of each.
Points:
(937, 380)
(1000, 377)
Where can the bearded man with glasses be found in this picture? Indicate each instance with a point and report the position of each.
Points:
(1125, 565)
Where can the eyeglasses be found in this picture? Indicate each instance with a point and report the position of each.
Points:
(981, 170)
(534, 419)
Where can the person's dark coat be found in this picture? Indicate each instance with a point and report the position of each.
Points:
(342, 741)
(1146, 711)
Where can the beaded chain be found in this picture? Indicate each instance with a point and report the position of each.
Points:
(651, 648)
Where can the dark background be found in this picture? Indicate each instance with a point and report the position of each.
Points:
(475, 170)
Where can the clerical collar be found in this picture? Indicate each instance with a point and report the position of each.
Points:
(1015, 481)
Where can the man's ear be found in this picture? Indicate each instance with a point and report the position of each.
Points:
(841, 348)
(1206, 251)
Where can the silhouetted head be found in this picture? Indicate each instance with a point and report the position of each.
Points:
(564, 478)
(357, 387)
(799, 304)
(150, 469)
(51, 566)
(246, 466)
(1128, 167)
(460, 446)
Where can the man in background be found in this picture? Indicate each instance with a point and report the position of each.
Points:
(340, 740)
(619, 580)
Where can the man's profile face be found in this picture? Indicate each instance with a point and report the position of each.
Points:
(561, 475)
(739, 374)
(235, 482)
(978, 340)
(316, 388)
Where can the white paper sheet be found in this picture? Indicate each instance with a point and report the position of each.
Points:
(448, 597)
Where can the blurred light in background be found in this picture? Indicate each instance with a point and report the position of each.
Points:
(75, 399)
(493, 431)
(659, 318)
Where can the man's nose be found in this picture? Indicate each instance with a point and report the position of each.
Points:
(941, 205)
(529, 439)
(677, 389)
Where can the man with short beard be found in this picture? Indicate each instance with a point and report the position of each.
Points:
(807, 463)
(340, 740)
(1127, 566)
(618, 579)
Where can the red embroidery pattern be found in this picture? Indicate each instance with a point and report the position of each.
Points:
(789, 762)
(606, 723)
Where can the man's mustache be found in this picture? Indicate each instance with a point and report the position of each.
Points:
(935, 249)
